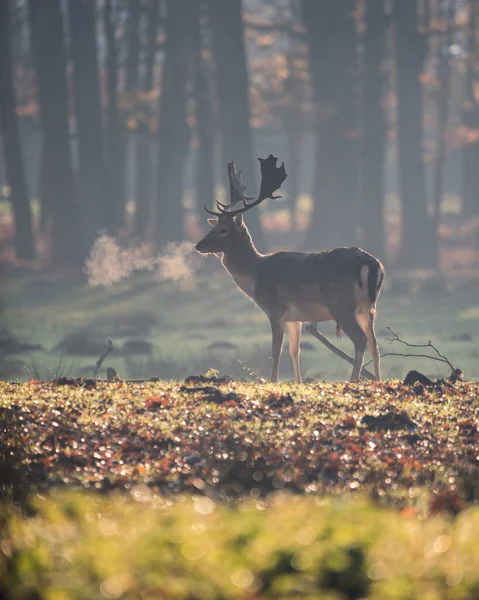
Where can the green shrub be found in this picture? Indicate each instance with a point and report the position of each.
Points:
(85, 546)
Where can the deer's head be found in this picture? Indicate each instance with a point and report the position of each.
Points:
(225, 232)
(228, 224)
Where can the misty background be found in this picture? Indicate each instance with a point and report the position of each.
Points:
(118, 118)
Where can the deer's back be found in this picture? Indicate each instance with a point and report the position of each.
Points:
(307, 287)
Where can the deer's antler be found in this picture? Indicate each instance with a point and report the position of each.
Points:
(271, 179)
(237, 188)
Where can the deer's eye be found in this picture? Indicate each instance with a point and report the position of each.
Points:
(222, 231)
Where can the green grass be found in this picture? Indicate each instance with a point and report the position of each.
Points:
(183, 325)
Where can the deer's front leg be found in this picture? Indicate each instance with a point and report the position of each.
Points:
(294, 330)
(277, 329)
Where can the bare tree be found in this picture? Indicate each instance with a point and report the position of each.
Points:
(23, 234)
(332, 43)
(233, 93)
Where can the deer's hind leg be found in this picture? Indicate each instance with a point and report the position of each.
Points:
(349, 324)
(294, 332)
(366, 321)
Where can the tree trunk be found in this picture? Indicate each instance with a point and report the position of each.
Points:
(417, 237)
(203, 101)
(293, 118)
(153, 16)
(133, 48)
(144, 169)
(174, 133)
(470, 119)
(332, 44)
(23, 234)
(374, 132)
(114, 136)
(68, 240)
(46, 184)
(233, 94)
(132, 71)
(46, 189)
(444, 76)
(94, 185)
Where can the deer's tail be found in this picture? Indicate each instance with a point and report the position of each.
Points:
(372, 277)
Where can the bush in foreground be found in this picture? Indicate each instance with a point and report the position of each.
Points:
(80, 545)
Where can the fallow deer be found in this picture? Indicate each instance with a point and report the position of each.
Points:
(342, 284)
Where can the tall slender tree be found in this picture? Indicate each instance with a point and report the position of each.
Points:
(133, 46)
(373, 130)
(233, 94)
(68, 244)
(470, 118)
(174, 132)
(332, 43)
(94, 185)
(153, 16)
(132, 79)
(23, 234)
(46, 191)
(417, 237)
(114, 137)
(204, 125)
(144, 155)
(443, 101)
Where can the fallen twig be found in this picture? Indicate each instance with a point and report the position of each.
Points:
(311, 328)
(99, 362)
(439, 358)
(407, 355)
(396, 338)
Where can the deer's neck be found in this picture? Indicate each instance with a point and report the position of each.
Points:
(242, 260)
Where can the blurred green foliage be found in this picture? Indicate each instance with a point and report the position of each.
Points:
(79, 545)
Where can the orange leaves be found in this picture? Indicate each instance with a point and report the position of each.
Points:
(156, 402)
(349, 422)
(242, 438)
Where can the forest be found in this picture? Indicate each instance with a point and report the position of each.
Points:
(120, 117)
(148, 448)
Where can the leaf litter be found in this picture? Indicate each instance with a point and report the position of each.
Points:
(235, 439)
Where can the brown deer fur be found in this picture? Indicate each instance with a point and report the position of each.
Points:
(342, 284)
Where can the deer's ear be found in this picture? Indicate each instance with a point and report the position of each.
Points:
(212, 222)
(238, 220)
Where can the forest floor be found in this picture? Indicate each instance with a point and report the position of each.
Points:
(56, 324)
(207, 487)
(211, 488)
